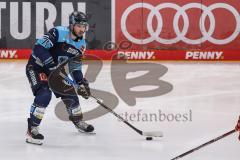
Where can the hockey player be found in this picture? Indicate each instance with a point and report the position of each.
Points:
(238, 127)
(59, 44)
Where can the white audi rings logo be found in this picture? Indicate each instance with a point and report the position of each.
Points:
(181, 35)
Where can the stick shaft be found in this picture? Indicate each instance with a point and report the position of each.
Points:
(205, 144)
(118, 116)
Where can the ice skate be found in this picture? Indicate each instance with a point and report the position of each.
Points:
(82, 126)
(33, 135)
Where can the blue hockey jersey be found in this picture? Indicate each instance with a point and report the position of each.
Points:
(55, 47)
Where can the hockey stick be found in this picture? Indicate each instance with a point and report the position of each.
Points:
(60, 75)
(205, 144)
(148, 134)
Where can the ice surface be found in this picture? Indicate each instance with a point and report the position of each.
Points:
(211, 92)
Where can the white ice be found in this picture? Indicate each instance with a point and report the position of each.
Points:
(210, 90)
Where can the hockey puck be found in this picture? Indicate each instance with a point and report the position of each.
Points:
(149, 138)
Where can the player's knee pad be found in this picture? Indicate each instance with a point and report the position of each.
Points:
(72, 105)
(70, 101)
(43, 97)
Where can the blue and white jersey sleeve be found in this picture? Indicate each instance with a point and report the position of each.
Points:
(49, 39)
(42, 46)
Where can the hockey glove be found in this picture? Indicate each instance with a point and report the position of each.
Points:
(237, 128)
(83, 89)
(238, 125)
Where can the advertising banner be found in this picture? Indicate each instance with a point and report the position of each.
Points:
(192, 26)
(192, 30)
(22, 22)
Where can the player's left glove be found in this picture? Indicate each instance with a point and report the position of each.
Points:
(83, 89)
(238, 125)
(237, 128)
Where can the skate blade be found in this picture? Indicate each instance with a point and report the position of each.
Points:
(34, 141)
(88, 133)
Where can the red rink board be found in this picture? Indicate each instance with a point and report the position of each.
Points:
(213, 38)
(155, 55)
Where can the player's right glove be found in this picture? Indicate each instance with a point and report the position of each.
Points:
(83, 89)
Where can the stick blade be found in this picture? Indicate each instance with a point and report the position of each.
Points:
(153, 134)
